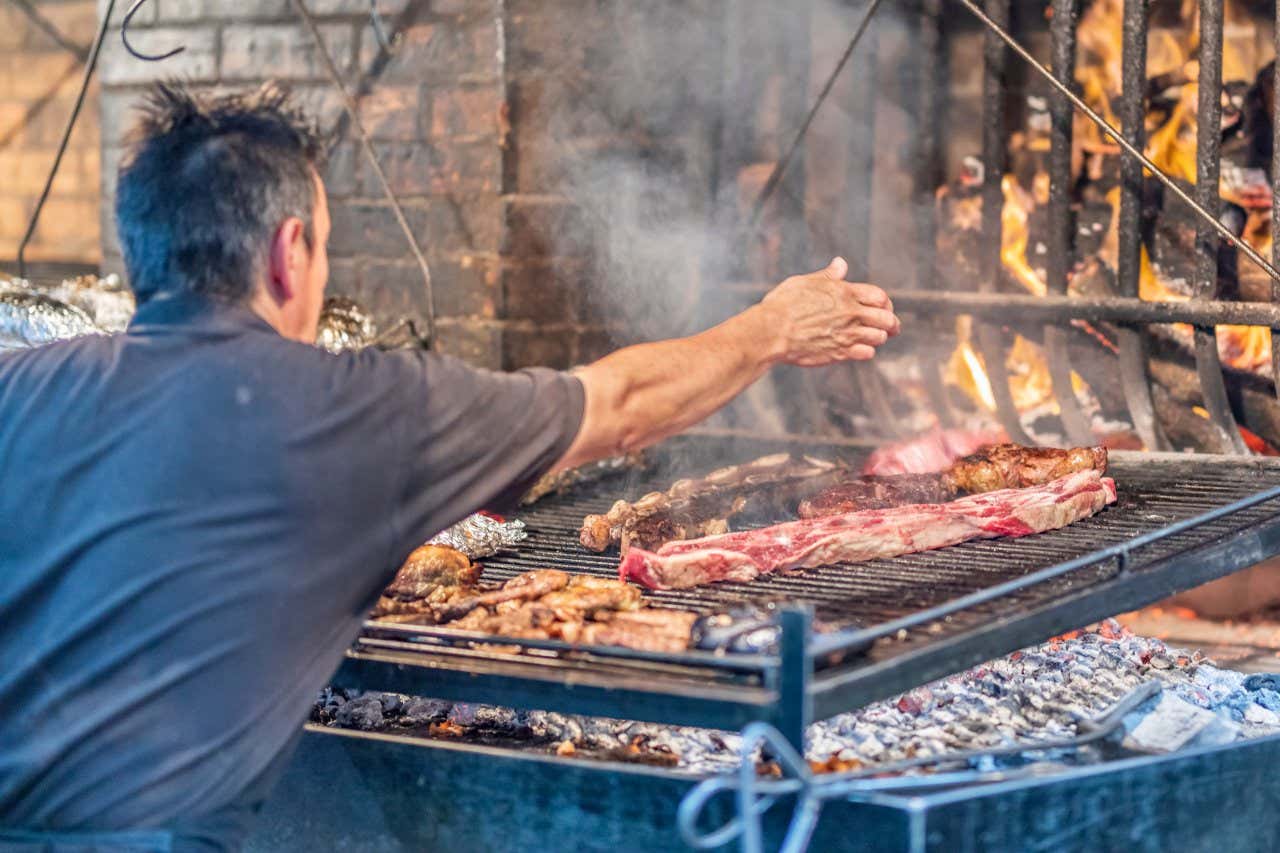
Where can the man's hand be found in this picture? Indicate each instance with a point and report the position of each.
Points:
(820, 318)
(644, 393)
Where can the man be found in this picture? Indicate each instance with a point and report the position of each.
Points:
(197, 514)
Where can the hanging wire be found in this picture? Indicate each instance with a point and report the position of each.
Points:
(124, 37)
(90, 65)
(353, 113)
(385, 41)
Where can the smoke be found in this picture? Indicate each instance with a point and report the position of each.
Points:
(667, 151)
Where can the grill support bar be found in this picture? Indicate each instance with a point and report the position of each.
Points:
(930, 104)
(995, 62)
(1061, 221)
(1207, 281)
(1041, 309)
(1134, 379)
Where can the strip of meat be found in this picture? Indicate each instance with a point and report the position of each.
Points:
(698, 507)
(871, 534)
(929, 453)
(1004, 466)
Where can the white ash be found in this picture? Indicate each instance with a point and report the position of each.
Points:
(1031, 697)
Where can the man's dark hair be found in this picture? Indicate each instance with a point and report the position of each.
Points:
(206, 182)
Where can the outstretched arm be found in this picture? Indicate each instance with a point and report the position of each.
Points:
(642, 394)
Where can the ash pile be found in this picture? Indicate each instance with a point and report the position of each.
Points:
(1029, 701)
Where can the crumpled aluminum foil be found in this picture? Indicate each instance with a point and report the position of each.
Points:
(29, 318)
(106, 300)
(344, 326)
(481, 536)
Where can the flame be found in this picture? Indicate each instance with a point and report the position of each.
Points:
(1018, 204)
(965, 369)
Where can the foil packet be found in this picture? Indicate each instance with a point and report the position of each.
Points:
(480, 536)
(344, 326)
(30, 319)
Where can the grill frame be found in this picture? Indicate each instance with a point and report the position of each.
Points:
(1228, 531)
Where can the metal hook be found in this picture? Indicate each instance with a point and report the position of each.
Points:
(379, 28)
(124, 37)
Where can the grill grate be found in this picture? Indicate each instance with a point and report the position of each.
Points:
(1155, 492)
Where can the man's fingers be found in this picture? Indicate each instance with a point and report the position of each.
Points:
(837, 269)
(861, 352)
(869, 294)
(878, 318)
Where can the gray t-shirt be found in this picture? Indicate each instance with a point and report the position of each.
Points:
(195, 517)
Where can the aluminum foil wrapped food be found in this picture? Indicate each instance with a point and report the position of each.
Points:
(481, 535)
(105, 299)
(344, 325)
(30, 319)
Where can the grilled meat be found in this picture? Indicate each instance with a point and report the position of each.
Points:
(522, 587)
(871, 534)
(431, 568)
(878, 493)
(694, 508)
(1009, 466)
(561, 481)
(1004, 466)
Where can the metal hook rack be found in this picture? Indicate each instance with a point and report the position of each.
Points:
(124, 37)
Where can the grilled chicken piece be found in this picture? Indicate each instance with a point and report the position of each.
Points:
(589, 595)
(652, 630)
(432, 567)
(523, 587)
(1010, 466)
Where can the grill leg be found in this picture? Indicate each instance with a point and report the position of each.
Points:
(795, 705)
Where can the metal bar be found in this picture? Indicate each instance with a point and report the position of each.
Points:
(1061, 220)
(1275, 192)
(1012, 307)
(1206, 282)
(353, 111)
(90, 66)
(829, 643)
(1132, 150)
(928, 176)
(859, 195)
(1134, 378)
(795, 705)
(46, 26)
(994, 156)
(775, 177)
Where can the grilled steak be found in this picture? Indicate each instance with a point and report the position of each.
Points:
(1009, 466)
(878, 493)
(930, 453)
(1004, 466)
(703, 507)
(870, 534)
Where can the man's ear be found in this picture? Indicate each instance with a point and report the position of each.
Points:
(287, 266)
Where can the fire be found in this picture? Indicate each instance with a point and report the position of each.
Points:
(1171, 145)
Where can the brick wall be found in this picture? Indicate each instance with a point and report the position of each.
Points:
(39, 79)
(522, 138)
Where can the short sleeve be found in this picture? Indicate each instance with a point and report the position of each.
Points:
(477, 439)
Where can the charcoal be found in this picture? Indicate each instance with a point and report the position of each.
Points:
(392, 704)
(364, 713)
(420, 712)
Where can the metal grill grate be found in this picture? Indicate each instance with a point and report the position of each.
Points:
(897, 624)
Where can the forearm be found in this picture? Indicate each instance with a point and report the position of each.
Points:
(642, 394)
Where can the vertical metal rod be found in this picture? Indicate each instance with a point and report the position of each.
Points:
(1275, 195)
(1061, 220)
(795, 671)
(796, 45)
(1207, 283)
(994, 63)
(858, 195)
(89, 67)
(1134, 378)
(928, 176)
